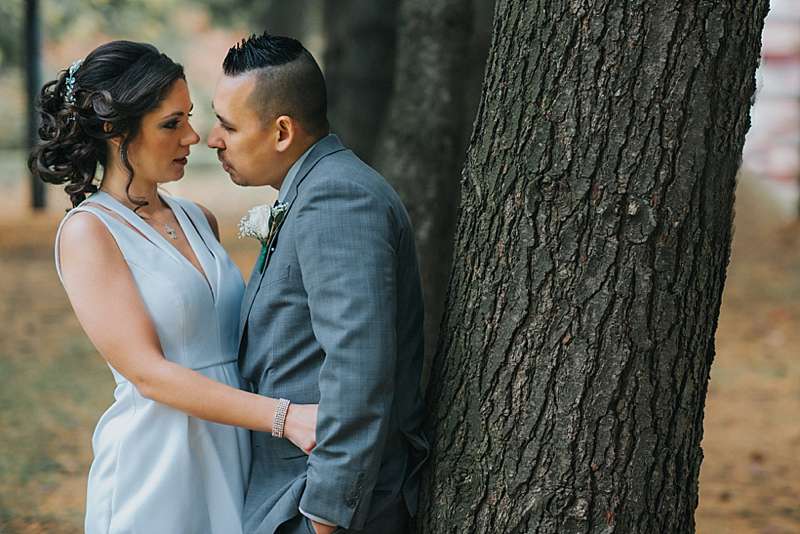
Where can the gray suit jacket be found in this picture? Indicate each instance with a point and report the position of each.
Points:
(336, 319)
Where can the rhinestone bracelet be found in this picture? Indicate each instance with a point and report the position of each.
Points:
(280, 418)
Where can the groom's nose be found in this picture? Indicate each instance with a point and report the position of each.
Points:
(215, 139)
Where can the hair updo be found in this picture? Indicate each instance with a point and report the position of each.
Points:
(117, 84)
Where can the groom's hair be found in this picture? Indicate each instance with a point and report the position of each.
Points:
(288, 79)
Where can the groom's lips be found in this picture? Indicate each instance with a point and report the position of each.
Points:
(225, 166)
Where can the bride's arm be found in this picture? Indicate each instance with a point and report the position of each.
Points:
(106, 300)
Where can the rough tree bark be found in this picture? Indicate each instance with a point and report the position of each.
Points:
(421, 147)
(592, 244)
(359, 65)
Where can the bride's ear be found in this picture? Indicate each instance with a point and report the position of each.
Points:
(117, 139)
(285, 132)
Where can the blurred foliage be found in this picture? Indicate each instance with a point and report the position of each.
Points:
(62, 18)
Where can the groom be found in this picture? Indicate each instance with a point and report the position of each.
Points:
(335, 315)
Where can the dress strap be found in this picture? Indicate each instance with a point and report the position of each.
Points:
(196, 217)
(88, 207)
(136, 222)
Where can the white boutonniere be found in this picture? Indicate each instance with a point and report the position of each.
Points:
(262, 223)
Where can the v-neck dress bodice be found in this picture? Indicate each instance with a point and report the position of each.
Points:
(157, 469)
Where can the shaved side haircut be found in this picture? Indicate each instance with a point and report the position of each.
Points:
(288, 80)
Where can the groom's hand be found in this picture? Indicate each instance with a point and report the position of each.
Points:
(319, 528)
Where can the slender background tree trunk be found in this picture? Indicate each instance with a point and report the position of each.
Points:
(592, 245)
(422, 145)
(359, 66)
(33, 84)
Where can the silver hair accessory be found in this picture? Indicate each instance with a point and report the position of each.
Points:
(69, 94)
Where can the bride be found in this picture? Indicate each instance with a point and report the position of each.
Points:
(158, 297)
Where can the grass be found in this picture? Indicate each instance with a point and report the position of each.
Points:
(51, 395)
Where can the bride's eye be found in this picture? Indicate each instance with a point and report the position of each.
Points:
(171, 125)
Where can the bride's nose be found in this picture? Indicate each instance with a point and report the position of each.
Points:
(192, 138)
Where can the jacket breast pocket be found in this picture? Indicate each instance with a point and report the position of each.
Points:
(275, 274)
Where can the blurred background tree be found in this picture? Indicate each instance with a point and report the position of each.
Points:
(298, 18)
(359, 64)
(422, 142)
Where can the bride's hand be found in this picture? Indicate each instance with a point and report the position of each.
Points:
(301, 426)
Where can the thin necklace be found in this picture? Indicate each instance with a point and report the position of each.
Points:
(168, 228)
(170, 231)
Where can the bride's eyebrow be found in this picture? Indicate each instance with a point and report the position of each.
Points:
(178, 113)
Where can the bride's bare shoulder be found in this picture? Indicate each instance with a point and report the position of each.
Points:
(83, 235)
(83, 225)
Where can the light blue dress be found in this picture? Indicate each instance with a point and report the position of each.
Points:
(156, 469)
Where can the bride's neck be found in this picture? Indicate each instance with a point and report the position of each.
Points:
(115, 183)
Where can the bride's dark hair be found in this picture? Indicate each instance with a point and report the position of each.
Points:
(113, 88)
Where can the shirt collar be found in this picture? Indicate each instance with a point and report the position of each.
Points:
(286, 186)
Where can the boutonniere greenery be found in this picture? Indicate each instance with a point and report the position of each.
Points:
(262, 223)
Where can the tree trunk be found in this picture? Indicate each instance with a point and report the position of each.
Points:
(592, 244)
(359, 66)
(287, 18)
(422, 144)
(33, 84)
(481, 36)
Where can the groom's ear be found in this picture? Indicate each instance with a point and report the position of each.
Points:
(285, 130)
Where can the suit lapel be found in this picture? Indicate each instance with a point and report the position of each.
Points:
(325, 147)
(247, 301)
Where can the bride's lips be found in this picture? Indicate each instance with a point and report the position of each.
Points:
(181, 161)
